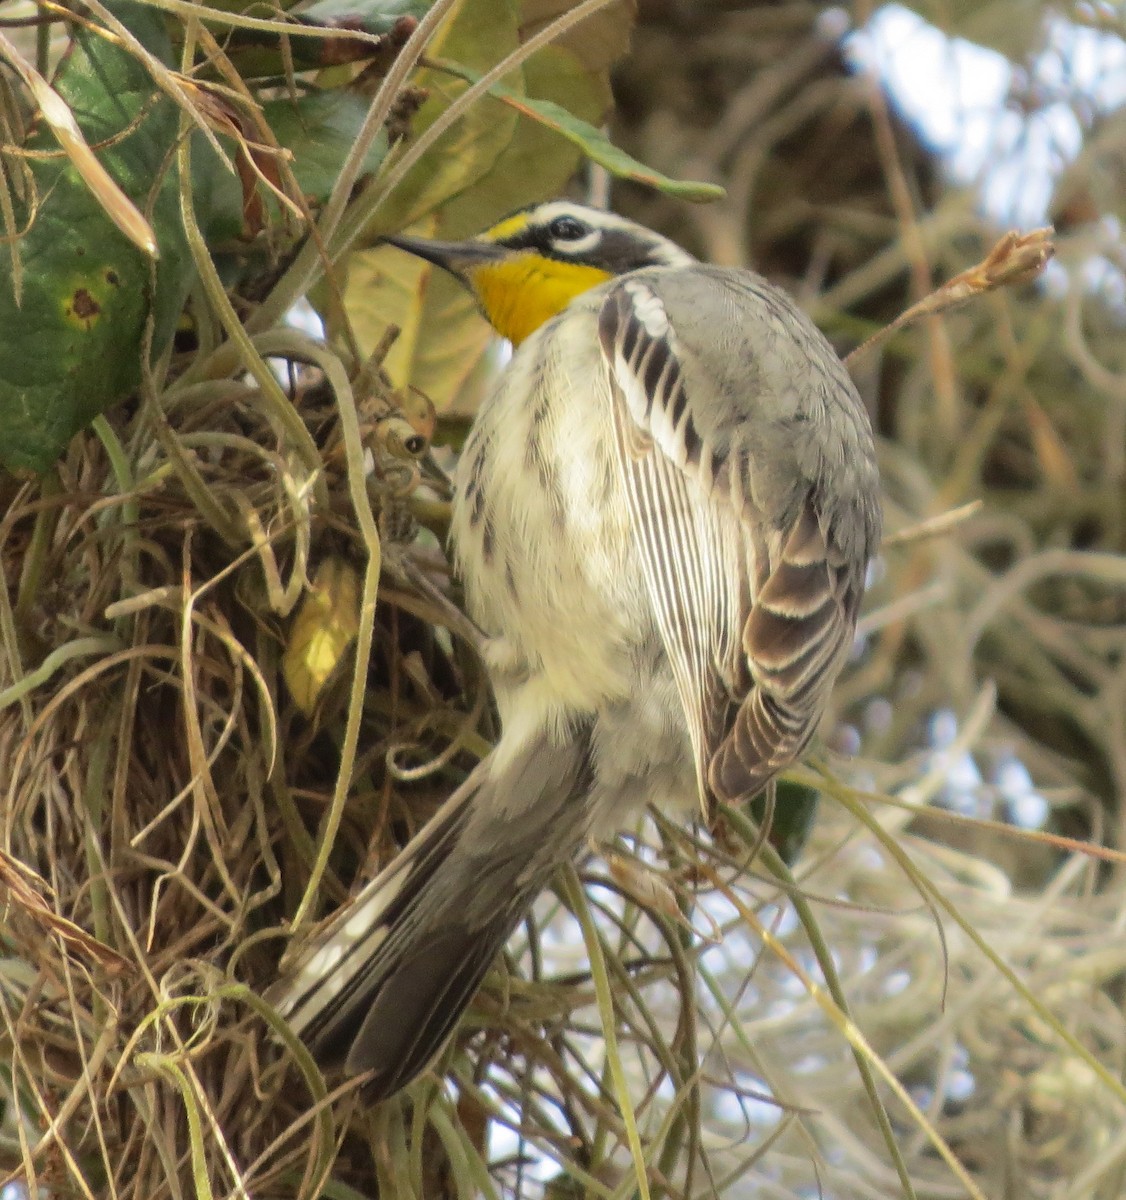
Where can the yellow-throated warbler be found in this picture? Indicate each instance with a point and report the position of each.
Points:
(663, 516)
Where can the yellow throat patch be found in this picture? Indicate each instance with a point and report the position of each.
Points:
(521, 293)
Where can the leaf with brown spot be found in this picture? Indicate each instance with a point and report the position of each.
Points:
(74, 328)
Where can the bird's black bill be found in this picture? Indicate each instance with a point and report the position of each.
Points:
(455, 257)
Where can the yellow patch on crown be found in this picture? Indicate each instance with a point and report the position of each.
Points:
(509, 227)
(521, 293)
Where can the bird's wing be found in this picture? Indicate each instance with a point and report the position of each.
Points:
(754, 616)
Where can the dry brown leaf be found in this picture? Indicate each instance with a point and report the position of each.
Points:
(26, 890)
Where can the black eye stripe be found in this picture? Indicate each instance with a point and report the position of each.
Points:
(599, 241)
(545, 237)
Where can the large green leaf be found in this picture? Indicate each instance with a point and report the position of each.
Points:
(477, 33)
(71, 345)
(596, 42)
(319, 129)
(385, 287)
(536, 164)
(590, 140)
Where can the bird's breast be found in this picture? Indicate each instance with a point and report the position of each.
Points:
(541, 527)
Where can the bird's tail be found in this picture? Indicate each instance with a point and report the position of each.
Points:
(383, 984)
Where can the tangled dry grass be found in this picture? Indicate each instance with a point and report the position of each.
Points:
(168, 809)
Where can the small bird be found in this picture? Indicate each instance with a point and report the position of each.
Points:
(663, 517)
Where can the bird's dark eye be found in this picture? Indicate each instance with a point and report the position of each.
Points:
(567, 229)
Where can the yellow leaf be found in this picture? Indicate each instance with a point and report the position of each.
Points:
(322, 631)
(442, 337)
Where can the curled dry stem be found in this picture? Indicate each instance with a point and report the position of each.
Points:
(1015, 259)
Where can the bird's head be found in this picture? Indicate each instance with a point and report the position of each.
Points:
(531, 265)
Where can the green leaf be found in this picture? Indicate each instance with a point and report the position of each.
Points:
(535, 165)
(442, 338)
(590, 140)
(373, 16)
(477, 32)
(320, 129)
(71, 347)
(597, 42)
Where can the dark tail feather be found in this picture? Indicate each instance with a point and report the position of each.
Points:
(417, 1007)
(382, 986)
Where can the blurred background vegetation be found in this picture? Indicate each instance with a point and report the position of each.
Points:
(234, 675)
